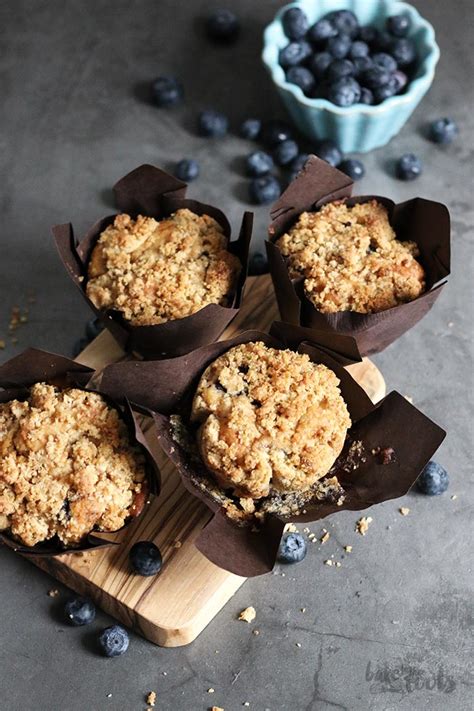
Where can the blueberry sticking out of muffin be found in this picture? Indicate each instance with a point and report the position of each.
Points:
(67, 467)
(156, 271)
(269, 420)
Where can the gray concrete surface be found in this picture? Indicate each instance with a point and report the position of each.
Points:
(72, 124)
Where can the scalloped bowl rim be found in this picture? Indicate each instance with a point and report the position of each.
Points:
(416, 85)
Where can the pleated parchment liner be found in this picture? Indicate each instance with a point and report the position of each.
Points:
(153, 192)
(249, 547)
(34, 366)
(423, 221)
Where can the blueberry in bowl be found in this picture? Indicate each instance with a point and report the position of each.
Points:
(344, 41)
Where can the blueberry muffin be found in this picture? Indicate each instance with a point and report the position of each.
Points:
(67, 467)
(351, 259)
(156, 271)
(268, 420)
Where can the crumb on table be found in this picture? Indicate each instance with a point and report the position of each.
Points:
(248, 615)
(362, 525)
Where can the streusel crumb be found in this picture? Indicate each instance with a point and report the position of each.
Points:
(270, 420)
(153, 272)
(351, 259)
(66, 466)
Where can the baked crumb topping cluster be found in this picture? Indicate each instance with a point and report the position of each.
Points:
(66, 466)
(351, 259)
(269, 420)
(156, 271)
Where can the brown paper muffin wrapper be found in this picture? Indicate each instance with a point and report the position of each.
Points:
(167, 387)
(153, 192)
(33, 366)
(423, 221)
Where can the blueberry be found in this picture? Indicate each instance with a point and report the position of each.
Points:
(222, 26)
(145, 558)
(292, 548)
(433, 480)
(443, 130)
(250, 129)
(401, 80)
(258, 163)
(274, 132)
(340, 68)
(187, 169)
(93, 328)
(294, 53)
(213, 124)
(403, 51)
(367, 34)
(398, 25)
(258, 264)
(375, 77)
(344, 92)
(79, 346)
(385, 92)
(382, 42)
(408, 167)
(285, 152)
(166, 91)
(361, 64)
(264, 190)
(319, 62)
(298, 165)
(114, 641)
(302, 77)
(358, 49)
(328, 151)
(295, 23)
(321, 31)
(353, 168)
(384, 60)
(366, 96)
(344, 21)
(79, 611)
(339, 46)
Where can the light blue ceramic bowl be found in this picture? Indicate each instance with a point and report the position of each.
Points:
(357, 128)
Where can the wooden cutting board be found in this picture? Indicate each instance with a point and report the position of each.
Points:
(174, 607)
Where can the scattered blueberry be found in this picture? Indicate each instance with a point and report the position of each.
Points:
(367, 34)
(213, 124)
(114, 641)
(250, 129)
(292, 548)
(285, 152)
(145, 558)
(344, 21)
(79, 611)
(223, 26)
(366, 96)
(443, 130)
(358, 49)
(344, 92)
(328, 151)
(274, 132)
(258, 264)
(339, 46)
(93, 328)
(264, 190)
(353, 168)
(384, 60)
(302, 77)
(398, 25)
(361, 65)
(187, 169)
(259, 163)
(376, 77)
(408, 167)
(321, 30)
(166, 91)
(320, 62)
(403, 51)
(433, 480)
(294, 53)
(295, 23)
(340, 68)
